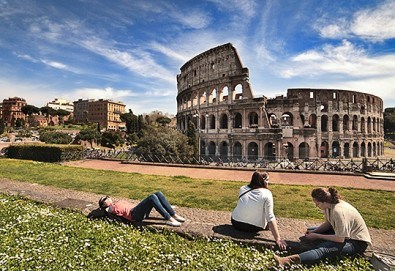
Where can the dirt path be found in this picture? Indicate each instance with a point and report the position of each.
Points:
(316, 179)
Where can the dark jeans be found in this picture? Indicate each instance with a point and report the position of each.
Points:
(241, 226)
(157, 201)
(330, 249)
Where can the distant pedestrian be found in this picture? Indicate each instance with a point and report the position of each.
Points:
(139, 212)
(254, 210)
(344, 230)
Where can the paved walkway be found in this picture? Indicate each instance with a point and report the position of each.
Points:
(202, 222)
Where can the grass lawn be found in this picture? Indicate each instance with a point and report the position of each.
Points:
(291, 201)
(35, 236)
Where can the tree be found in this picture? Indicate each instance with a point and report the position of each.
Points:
(389, 122)
(53, 137)
(89, 134)
(192, 138)
(163, 120)
(48, 111)
(112, 139)
(62, 113)
(30, 110)
(131, 121)
(2, 126)
(163, 141)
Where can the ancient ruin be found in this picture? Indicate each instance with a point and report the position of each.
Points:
(214, 93)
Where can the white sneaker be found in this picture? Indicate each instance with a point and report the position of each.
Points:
(179, 218)
(174, 223)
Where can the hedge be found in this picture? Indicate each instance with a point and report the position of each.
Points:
(42, 152)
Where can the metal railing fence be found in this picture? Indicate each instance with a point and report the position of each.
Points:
(312, 164)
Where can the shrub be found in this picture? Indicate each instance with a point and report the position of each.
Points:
(43, 153)
(55, 137)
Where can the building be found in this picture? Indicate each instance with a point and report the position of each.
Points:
(12, 111)
(105, 112)
(214, 93)
(61, 104)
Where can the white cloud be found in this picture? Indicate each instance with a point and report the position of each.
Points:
(345, 59)
(101, 93)
(168, 51)
(375, 24)
(192, 19)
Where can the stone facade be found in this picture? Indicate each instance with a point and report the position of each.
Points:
(105, 112)
(12, 110)
(214, 93)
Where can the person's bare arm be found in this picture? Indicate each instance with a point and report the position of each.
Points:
(274, 229)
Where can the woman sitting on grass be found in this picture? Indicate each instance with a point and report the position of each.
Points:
(254, 210)
(130, 212)
(344, 230)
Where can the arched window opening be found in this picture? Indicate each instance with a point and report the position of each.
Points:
(252, 151)
(253, 120)
(202, 122)
(237, 150)
(324, 149)
(225, 94)
(313, 121)
(324, 107)
(324, 123)
(238, 93)
(335, 123)
(238, 121)
(304, 150)
(211, 149)
(289, 152)
(355, 149)
(202, 148)
(224, 121)
(269, 151)
(369, 125)
(273, 120)
(287, 119)
(346, 150)
(212, 122)
(346, 123)
(363, 124)
(335, 149)
(223, 150)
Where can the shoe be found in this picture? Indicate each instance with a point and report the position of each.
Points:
(173, 223)
(287, 261)
(179, 218)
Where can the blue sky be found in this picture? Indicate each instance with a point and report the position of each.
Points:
(131, 51)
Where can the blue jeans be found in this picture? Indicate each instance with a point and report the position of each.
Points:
(157, 201)
(330, 249)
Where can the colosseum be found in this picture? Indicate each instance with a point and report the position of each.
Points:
(215, 95)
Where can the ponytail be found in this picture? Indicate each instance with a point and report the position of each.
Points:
(322, 195)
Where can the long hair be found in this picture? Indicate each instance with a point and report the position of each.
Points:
(259, 180)
(322, 195)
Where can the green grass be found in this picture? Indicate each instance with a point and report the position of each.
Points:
(291, 201)
(35, 236)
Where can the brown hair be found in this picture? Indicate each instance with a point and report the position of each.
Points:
(259, 180)
(329, 195)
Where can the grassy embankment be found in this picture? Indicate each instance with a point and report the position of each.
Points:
(290, 200)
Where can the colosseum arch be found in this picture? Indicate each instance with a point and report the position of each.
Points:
(212, 148)
(363, 149)
(253, 151)
(253, 119)
(324, 123)
(223, 122)
(350, 116)
(223, 149)
(269, 151)
(237, 150)
(335, 123)
(304, 150)
(287, 119)
(324, 149)
(238, 120)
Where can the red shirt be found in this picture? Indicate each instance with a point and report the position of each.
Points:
(122, 208)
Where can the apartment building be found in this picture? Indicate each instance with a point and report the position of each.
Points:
(61, 104)
(12, 111)
(105, 112)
